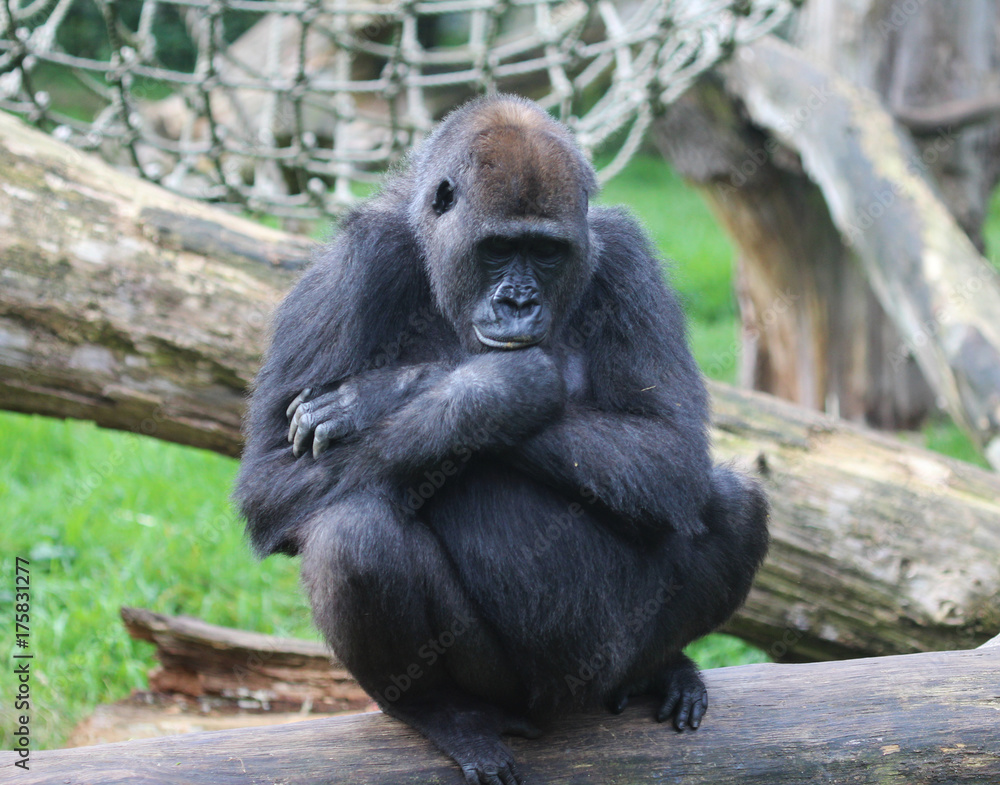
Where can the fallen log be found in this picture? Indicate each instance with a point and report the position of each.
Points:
(921, 719)
(129, 306)
(876, 547)
(243, 670)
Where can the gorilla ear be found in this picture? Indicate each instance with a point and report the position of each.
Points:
(444, 197)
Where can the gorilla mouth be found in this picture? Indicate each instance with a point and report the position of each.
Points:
(512, 342)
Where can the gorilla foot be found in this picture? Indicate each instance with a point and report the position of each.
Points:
(681, 693)
(468, 731)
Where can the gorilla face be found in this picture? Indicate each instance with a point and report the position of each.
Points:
(502, 220)
(514, 311)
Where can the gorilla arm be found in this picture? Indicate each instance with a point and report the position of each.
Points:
(636, 437)
(492, 401)
(642, 469)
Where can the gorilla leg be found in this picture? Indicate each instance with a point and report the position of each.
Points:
(710, 577)
(736, 517)
(390, 606)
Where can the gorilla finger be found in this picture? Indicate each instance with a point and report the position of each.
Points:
(510, 776)
(683, 714)
(471, 775)
(294, 424)
(326, 433)
(303, 434)
(698, 710)
(321, 438)
(669, 704)
(298, 399)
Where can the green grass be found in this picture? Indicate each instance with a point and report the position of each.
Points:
(110, 519)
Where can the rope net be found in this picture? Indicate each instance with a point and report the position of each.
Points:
(292, 107)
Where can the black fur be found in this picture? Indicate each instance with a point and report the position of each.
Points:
(491, 537)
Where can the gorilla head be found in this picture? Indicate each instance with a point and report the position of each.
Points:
(500, 206)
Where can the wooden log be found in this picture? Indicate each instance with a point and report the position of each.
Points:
(876, 547)
(126, 305)
(245, 668)
(922, 719)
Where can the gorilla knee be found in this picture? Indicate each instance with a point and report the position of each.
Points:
(738, 511)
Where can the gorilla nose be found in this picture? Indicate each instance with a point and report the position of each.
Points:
(519, 303)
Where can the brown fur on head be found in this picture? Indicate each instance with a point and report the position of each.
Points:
(499, 167)
(523, 172)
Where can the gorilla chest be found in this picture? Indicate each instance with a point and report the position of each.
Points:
(575, 376)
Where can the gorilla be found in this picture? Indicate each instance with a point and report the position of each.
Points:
(479, 425)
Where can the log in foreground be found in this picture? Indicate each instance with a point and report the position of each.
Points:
(907, 720)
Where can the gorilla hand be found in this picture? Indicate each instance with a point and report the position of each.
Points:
(326, 417)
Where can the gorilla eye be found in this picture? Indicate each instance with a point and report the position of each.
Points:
(444, 197)
(498, 250)
(548, 253)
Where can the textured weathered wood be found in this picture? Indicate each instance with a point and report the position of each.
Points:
(921, 719)
(124, 304)
(928, 276)
(280, 674)
(936, 67)
(815, 331)
(876, 547)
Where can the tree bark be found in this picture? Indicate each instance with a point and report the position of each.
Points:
(233, 669)
(841, 342)
(124, 304)
(926, 273)
(921, 719)
(145, 312)
(936, 67)
(877, 547)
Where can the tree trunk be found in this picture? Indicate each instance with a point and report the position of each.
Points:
(921, 719)
(816, 332)
(926, 273)
(878, 547)
(936, 66)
